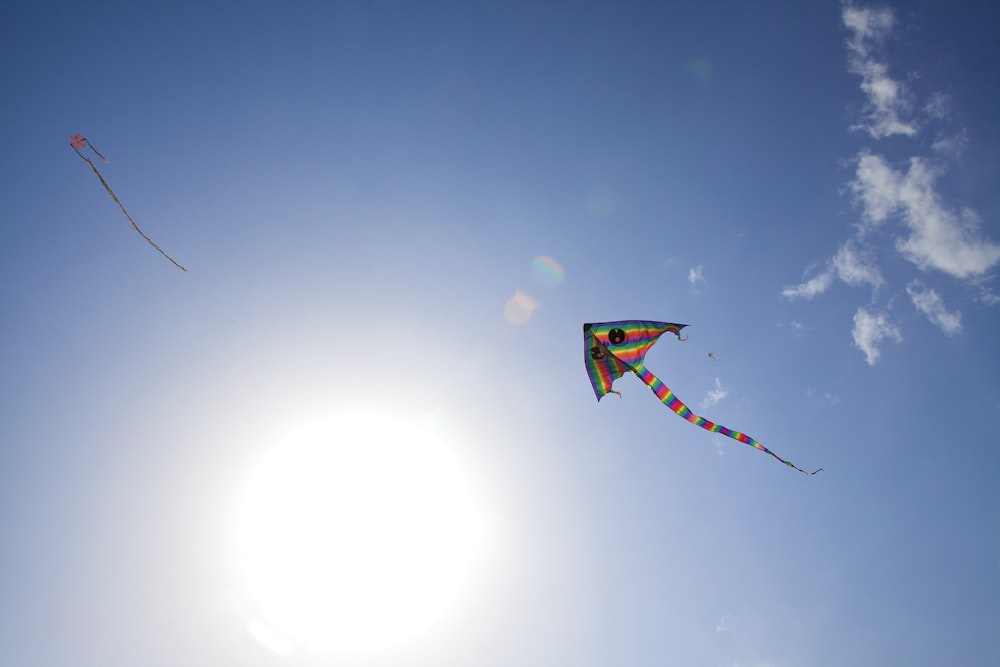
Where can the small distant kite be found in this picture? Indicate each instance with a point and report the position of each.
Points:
(78, 142)
(612, 349)
(711, 355)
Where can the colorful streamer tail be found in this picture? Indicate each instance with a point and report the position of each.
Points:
(669, 399)
(77, 142)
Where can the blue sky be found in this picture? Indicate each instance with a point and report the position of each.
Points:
(362, 192)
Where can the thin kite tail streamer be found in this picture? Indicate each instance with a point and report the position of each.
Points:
(93, 148)
(669, 399)
(127, 216)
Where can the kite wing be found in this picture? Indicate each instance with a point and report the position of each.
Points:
(612, 349)
(78, 142)
(602, 366)
(615, 348)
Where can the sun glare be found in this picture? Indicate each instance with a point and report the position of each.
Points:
(357, 533)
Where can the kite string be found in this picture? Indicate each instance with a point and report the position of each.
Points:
(669, 399)
(127, 216)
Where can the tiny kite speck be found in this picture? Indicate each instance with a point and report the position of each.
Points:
(612, 349)
(78, 142)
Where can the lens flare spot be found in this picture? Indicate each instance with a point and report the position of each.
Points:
(547, 271)
(519, 308)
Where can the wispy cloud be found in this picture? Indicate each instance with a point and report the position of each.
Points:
(810, 288)
(933, 234)
(853, 263)
(870, 329)
(723, 623)
(939, 238)
(827, 397)
(888, 99)
(928, 302)
(876, 188)
(952, 146)
(856, 266)
(696, 276)
(714, 396)
(938, 106)
(988, 297)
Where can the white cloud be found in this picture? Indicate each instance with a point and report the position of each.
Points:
(827, 397)
(888, 99)
(856, 266)
(940, 238)
(938, 106)
(866, 23)
(852, 263)
(928, 302)
(877, 186)
(714, 396)
(696, 276)
(988, 297)
(870, 329)
(723, 624)
(811, 288)
(933, 234)
(952, 146)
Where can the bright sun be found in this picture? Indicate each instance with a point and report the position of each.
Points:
(357, 533)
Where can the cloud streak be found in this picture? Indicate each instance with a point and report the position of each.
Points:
(853, 264)
(714, 396)
(900, 201)
(888, 99)
(696, 276)
(928, 302)
(870, 329)
(939, 238)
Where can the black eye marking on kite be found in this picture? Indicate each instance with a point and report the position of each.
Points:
(595, 353)
(617, 336)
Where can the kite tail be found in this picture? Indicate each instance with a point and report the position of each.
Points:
(127, 216)
(106, 161)
(669, 399)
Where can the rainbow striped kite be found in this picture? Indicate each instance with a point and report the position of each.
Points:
(612, 349)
